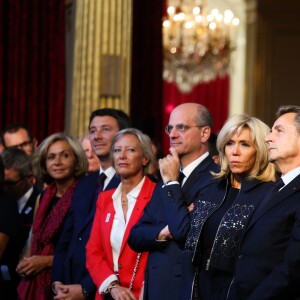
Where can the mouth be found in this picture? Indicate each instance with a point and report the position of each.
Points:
(122, 165)
(98, 145)
(174, 144)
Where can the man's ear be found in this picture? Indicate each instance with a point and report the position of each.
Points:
(205, 134)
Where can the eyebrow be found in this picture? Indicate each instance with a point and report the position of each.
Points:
(277, 126)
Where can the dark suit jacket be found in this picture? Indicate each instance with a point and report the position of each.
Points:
(69, 265)
(26, 218)
(268, 265)
(164, 266)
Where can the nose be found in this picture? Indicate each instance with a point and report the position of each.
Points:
(173, 133)
(235, 150)
(57, 160)
(122, 154)
(97, 134)
(268, 138)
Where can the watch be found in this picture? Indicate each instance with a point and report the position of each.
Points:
(85, 292)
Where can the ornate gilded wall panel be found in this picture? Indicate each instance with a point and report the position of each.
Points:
(102, 58)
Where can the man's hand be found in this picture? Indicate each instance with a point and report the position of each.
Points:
(165, 234)
(169, 166)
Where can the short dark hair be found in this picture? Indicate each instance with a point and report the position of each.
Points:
(121, 117)
(12, 128)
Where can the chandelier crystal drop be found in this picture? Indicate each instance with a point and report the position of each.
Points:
(197, 45)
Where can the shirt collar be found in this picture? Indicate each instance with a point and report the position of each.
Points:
(289, 176)
(23, 200)
(110, 173)
(187, 171)
(132, 194)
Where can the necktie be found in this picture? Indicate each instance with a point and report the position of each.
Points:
(100, 183)
(278, 185)
(181, 178)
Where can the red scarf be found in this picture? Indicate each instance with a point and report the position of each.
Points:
(44, 233)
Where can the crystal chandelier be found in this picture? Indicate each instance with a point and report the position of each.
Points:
(197, 45)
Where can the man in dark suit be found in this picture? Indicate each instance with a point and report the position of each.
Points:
(157, 231)
(70, 277)
(19, 187)
(268, 263)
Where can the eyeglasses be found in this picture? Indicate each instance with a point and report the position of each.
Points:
(10, 183)
(179, 127)
(20, 146)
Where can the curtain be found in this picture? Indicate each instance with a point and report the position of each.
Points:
(214, 95)
(146, 106)
(32, 62)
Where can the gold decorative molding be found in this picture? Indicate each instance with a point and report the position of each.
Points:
(102, 59)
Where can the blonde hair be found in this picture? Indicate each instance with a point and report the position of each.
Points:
(145, 144)
(263, 169)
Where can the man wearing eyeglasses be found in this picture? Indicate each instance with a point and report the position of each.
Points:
(185, 173)
(17, 136)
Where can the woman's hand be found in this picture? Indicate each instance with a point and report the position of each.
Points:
(34, 264)
(122, 293)
(68, 292)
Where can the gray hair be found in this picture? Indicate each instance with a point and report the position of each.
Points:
(17, 159)
(203, 116)
(144, 142)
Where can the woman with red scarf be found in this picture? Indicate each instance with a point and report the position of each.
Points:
(60, 159)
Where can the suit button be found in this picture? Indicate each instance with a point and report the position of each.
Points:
(241, 256)
(80, 238)
(120, 266)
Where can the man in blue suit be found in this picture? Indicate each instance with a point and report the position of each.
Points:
(70, 277)
(268, 263)
(158, 232)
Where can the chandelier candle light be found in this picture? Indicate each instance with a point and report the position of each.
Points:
(197, 45)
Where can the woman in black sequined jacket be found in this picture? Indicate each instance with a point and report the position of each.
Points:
(224, 209)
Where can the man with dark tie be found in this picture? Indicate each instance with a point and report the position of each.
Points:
(19, 188)
(70, 277)
(268, 263)
(158, 231)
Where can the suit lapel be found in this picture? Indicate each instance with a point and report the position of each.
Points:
(273, 199)
(108, 218)
(191, 186)
(90, 216)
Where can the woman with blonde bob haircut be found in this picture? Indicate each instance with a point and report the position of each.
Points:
(118, 271)
(262, 169)
(220, 216)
